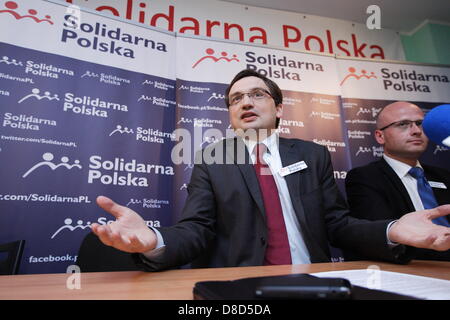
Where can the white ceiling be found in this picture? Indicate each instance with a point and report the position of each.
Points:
(399, 15)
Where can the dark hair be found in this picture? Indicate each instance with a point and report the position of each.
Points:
(274, 90)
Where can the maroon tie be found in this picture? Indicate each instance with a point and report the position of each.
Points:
(277, 251)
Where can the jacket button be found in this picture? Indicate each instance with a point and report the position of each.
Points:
(263, 241)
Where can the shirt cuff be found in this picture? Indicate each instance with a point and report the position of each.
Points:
(159, 249)
(389, 242)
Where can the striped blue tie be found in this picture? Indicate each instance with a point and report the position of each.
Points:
(426, 194)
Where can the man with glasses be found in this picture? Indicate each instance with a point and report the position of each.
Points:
(268, 200)
(398, 183)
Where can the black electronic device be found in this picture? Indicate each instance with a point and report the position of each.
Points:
(304, 286)
(288, 287)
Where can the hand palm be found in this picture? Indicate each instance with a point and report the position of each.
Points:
(128, 233)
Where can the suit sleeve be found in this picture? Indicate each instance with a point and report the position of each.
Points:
(362, 238)
(195, 231)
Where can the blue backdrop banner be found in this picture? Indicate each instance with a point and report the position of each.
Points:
(94, 105)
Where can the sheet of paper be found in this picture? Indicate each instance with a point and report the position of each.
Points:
(417, 286)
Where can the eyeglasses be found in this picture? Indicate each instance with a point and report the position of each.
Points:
(404, 124)
(255, 95)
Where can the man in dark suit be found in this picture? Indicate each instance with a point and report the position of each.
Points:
(387, 189)
(263, 200)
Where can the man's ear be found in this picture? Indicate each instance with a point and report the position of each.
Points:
(379, 136)
(279, 108)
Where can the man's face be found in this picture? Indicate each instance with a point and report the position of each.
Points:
(399, 140)
(257, 113)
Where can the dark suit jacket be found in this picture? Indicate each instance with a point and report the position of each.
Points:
(375, 192)
(223, 221)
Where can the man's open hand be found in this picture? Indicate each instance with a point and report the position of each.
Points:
(128, 233)
(416, 229)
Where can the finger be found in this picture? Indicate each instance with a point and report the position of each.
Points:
(104, 233)
(94, 227)
(427, 242)
(110, 206)
(430, 240)
(116, 237)
(439, 211)
(136, 244)
(121, 242)
(442, 243)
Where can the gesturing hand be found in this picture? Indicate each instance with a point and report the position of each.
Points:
(128, 233)
(416, 229)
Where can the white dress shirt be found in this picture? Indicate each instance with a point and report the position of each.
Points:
(299, 252)
(410, 183)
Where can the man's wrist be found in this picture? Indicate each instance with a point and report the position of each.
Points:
(158, 249)
(389, 242)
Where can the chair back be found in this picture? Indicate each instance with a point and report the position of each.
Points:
(94, 256)
(13, 252)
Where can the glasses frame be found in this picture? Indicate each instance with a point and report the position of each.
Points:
(250, 95)
(418, 123)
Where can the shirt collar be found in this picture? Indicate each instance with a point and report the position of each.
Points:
(271, 142)
(400, 168)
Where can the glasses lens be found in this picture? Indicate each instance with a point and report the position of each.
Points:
(236, 99)
(403, 124)
(257, 94)
(406, 124)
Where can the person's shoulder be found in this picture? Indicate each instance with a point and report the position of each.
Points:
(436, 170)
(372, 168)
(218, 144)
(304, 144)
(217, 152)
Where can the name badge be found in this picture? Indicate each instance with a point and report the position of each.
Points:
(438, 185)
(301, 165)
